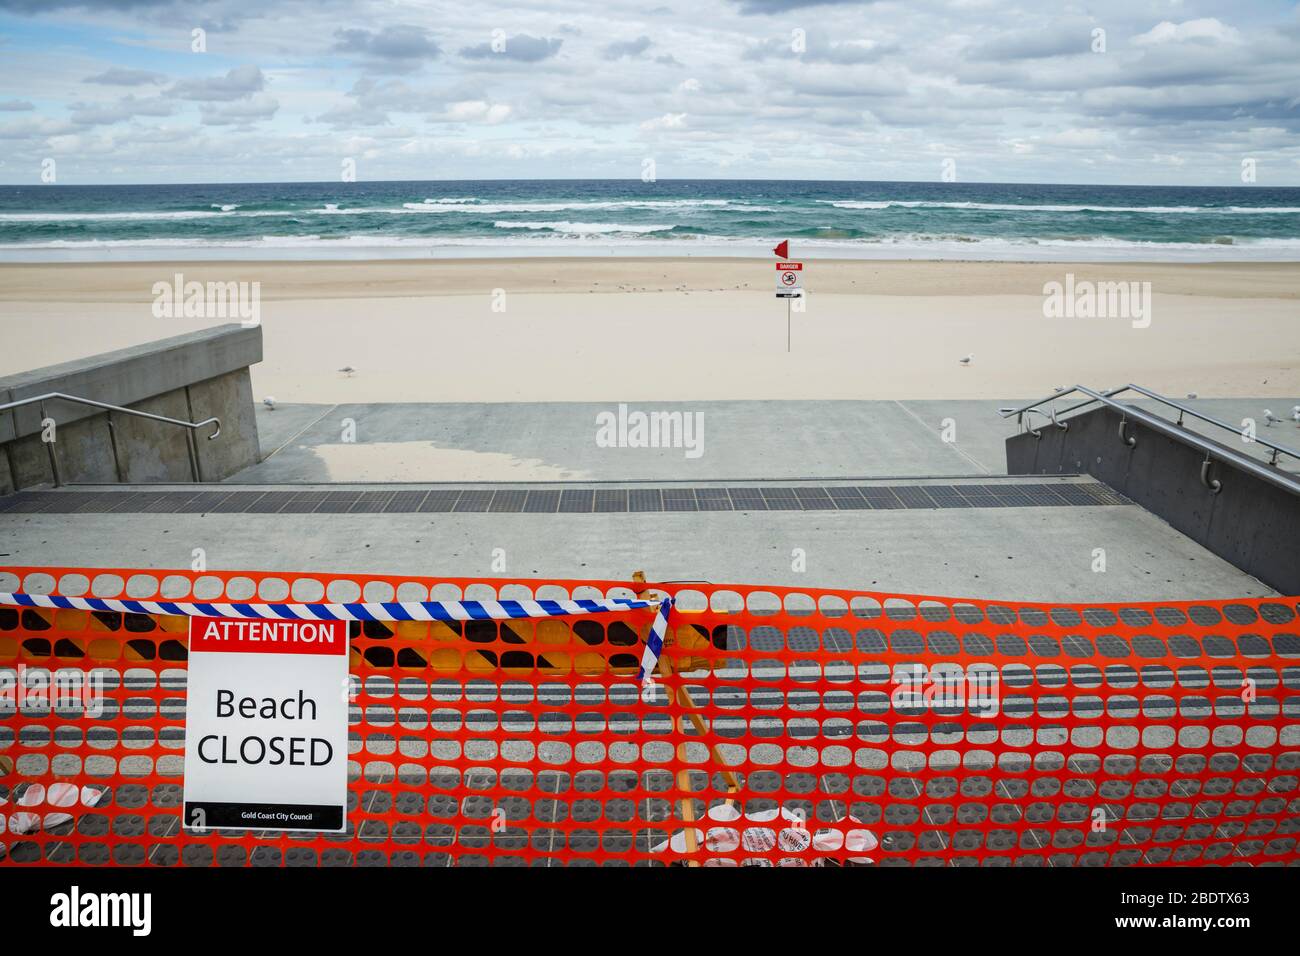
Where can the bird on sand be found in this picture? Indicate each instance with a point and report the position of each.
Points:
(269, 402)
(347, 370)
(967, 359)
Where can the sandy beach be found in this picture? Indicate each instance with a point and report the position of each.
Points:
(626, 329)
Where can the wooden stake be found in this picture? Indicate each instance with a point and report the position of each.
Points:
(683, 780)
(682, 698)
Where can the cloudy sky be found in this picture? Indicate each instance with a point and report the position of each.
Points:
(1112, 91)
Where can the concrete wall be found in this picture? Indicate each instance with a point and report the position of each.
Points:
(1251, 523)
(188, 377)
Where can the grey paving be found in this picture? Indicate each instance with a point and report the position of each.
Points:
(734, 515)
(277, 427)
(1009, 553)
(741, 440)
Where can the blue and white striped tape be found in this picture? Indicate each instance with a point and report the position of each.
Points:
(362, 611)
(654, 642)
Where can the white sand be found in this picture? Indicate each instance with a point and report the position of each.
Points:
(699, 330)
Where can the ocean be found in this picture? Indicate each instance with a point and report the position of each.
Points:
(896, 220)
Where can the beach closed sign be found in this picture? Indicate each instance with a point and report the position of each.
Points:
(266, 725)
(787, 279)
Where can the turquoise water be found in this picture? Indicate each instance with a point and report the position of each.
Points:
(680, 217)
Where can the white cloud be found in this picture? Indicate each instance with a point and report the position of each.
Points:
(1079, 138)
(475, 111)
(236, 84)
(1207, 28)
(261, 106)
(33, 127)
(117, 76)
(667, 121)
(522, 48)
(395, 48)
(128, 107)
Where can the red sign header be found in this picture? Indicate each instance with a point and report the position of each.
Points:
(242, 636)
(789, 266)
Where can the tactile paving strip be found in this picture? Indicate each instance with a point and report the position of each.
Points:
(569, 500)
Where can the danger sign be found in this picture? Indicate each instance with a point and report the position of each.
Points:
(787, 279)
(266, 725)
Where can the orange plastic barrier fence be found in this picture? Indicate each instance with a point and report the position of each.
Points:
(785, 726)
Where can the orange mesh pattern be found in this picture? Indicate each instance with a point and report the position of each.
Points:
(786, 726)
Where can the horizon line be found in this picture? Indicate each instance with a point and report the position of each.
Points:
(567, 179)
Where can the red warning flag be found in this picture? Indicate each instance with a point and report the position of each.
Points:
(782, 251)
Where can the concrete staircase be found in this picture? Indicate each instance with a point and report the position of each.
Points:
(1013, 538)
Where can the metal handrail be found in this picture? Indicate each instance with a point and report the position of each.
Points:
(1185, 410)
(1154, 396)
(112, 432)
(1212, 450)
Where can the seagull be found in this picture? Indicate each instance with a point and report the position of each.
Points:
(1270, 418)
(1295, 414)
(966, 360)
(269, 402)
(1191, 395)
(347, 370)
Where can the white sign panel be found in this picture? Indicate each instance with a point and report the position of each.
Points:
(266, 725)
(787, 280)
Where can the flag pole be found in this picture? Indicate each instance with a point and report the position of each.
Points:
(782, 251)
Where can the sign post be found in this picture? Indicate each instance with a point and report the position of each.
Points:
(788, 287)
(266, 725)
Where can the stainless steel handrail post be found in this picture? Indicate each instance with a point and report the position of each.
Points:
(1213, 484)
(112, 442)
(194, 456)
(50, 450)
